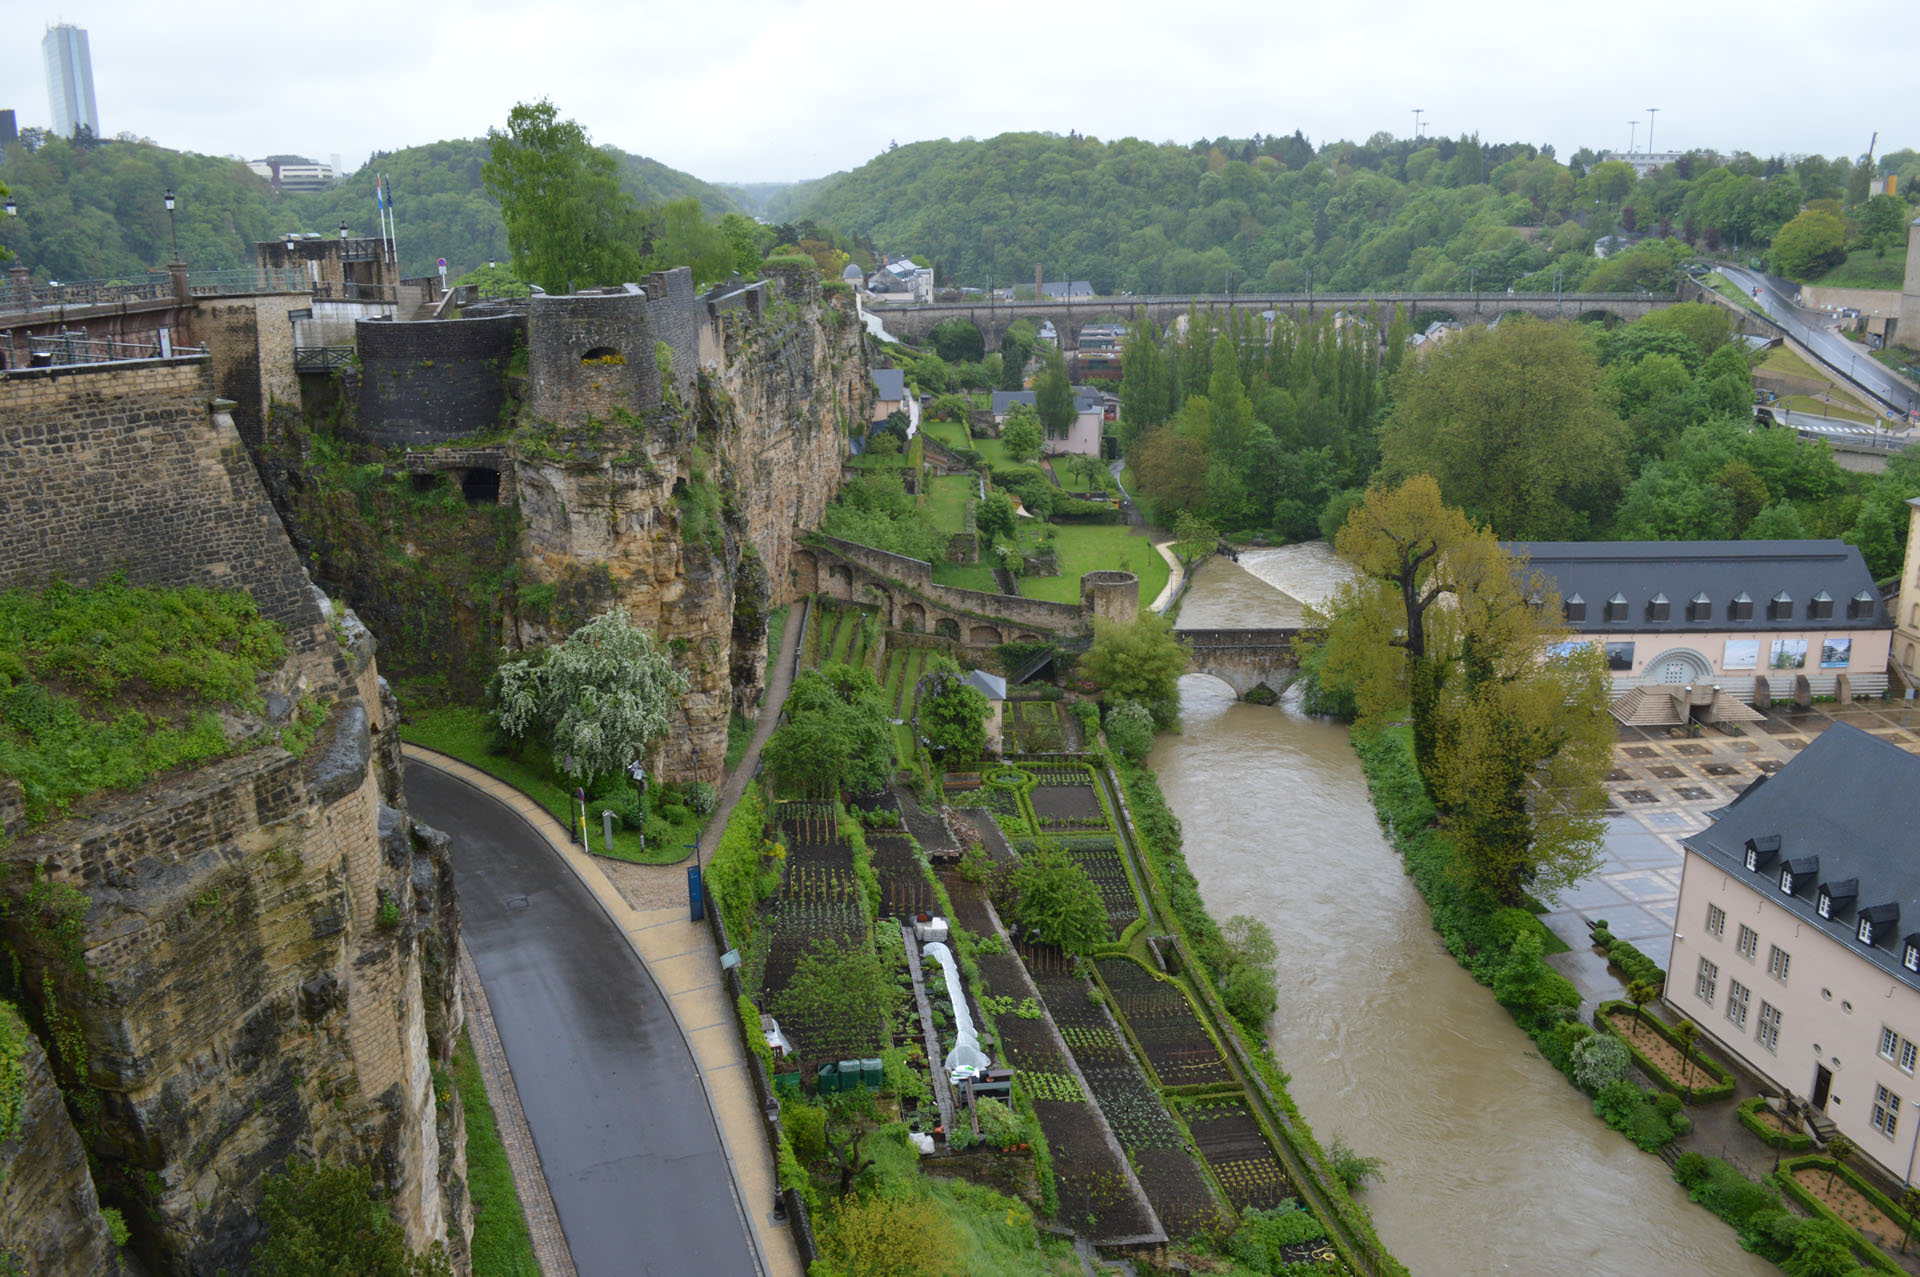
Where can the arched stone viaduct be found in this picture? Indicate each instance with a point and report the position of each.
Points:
(914, 323)
(1243, 659)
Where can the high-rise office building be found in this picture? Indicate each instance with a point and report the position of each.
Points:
(70, 80)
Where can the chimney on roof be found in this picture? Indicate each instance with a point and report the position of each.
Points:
(1037, 279)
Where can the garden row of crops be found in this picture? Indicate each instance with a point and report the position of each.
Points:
(904, 667)
(1177, 1044)
(836, 632)
(1036, 726)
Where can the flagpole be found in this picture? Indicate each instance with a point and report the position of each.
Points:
(393, 220)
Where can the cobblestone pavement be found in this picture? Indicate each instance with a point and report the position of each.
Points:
(1663, 784)
(543, 1222)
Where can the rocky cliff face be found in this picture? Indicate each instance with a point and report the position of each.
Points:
(264, 969)
(687, 517)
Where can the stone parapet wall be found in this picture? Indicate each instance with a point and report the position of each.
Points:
(126, 468)
(432, 380)
(251, 341)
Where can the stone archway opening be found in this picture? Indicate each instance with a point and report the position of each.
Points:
(603, 355)
(913, 618)
(481, 486)
(983, 636)
(948, 628)
(427, 481)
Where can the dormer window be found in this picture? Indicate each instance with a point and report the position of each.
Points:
(1780, 607)
(1876, 922)
(1657, 608)
(1700, 608)
(1910, 953)
(1835, 898)
(1860, 606)
(1617, 608)
(1753, 858)
(1786, 881)
(1820, 607)
(1576, 608)
(1741, 607)
(1761, 850)
(1798, 872)
(1535, 602)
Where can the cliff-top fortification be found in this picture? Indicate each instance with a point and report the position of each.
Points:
(237, 962)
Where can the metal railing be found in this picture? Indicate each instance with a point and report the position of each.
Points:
(61, 295)
(327, 290)
(63, 349)
(321, 359)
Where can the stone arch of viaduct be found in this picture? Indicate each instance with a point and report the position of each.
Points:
(915, 323)
(1243, 659)
(908, 598)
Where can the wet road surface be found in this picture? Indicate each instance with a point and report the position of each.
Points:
(608, 1084)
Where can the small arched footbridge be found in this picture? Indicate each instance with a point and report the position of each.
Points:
(1244, 660)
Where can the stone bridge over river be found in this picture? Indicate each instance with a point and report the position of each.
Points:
(1243, 659)
(915, 323)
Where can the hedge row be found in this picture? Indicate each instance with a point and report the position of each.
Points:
(1792, 1188)
(1789, 1141)
(1718, 1089)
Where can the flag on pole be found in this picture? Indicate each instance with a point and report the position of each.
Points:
(379, 196)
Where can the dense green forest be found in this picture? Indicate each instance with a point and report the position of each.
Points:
(1275, 214)
(1539, 430)
(93, 210)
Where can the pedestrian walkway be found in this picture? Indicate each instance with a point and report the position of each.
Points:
(679, 953)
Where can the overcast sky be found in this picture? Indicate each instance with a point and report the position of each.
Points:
(764, 90)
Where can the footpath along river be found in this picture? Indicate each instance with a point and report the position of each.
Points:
(1494, 1163)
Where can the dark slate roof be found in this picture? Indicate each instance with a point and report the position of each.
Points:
(1640, 570)
(889, 383)
(1077, 288)
(1004, 400)
(1846, 800)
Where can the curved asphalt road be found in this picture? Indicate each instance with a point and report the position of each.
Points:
(1810, 330)
(609, 1086)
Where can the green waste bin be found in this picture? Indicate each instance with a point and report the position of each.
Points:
(850, 1079)
(871, 1074)
(786, 1084)
(827, 1081)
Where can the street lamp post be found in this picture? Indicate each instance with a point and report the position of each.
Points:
(173, 233)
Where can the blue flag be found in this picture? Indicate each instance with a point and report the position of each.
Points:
(379, 199)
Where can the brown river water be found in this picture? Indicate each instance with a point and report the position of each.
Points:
(1494, 1163)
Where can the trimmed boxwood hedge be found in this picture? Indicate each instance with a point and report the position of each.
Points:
(1719, 1088)
(1792, 1188)
(1790, 1141)
(1635, 965)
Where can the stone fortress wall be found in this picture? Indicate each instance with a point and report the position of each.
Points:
(268, 940)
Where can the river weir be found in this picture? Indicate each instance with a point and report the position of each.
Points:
(1493, 1162)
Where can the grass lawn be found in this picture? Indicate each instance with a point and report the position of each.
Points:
(1843, 406)
(502, 1246)
(967, 576)
(1733, 292)
(1863, 270)
(948, 501)
(1783, 361)
(951, 433)
(1127, 481)
(1098, 547)
(463, 732)
(995, 451)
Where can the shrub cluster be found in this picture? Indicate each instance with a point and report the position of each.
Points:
(1650, 1120)
(1633, 964)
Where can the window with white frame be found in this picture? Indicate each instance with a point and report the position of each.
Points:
(1907, 1054)
(1737, 995)
(1769, 1031)
(1886, 1111)
(1709, 980)
(1889, 1043)
(1778, 960)
(1749, 942)
(1897, 1050)
(1716, 921)
(1911, 957)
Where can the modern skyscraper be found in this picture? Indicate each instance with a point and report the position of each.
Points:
(70, 80)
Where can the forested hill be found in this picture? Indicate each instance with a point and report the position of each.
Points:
(94, 211)
(1434, 214)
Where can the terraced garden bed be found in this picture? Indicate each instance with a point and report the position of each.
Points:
(1242, 1161)
(1134, 1110)
(904, 889)
(1036, 726)
(839, 633)
(1178, 1046)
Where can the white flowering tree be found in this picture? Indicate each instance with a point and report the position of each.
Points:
(603, 695)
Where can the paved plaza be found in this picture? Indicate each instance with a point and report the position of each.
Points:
(1663, 784)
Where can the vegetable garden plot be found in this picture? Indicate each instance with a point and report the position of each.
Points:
(1036, 726)
(1134, 1110)
(1241, 1159)
(1095, 1198)
(1069, 808)
(904, 888)
(1176, 1041)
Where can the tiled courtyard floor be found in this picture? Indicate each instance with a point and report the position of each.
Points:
(1660, 790)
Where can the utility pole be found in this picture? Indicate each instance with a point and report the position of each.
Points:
(1417, 113)
(1652, 112)
(1633, 126)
